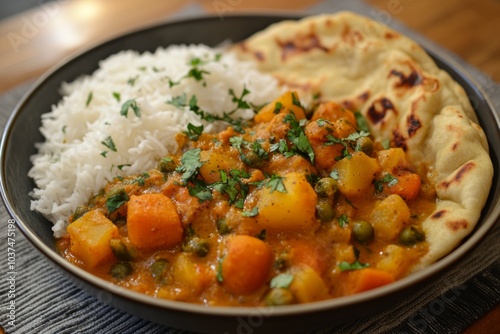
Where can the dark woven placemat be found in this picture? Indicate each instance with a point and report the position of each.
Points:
(46, 302)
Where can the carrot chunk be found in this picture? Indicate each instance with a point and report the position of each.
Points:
(153, 221)
(367, 279)
(246, 264)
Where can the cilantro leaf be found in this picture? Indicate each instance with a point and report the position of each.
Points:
(117, 96)
(297, 136)
(361, 121)
(388, 179)
(343, 220)
(193, 132)
(200, 191)
(190, 164)
(281, 281)
(275, 183)
(116, 200)
(108, 142)
(132, 103)
(252, 213)
(89, 99)
(344, 265)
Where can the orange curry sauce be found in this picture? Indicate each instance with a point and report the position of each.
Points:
(295, 209)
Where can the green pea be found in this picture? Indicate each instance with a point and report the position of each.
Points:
(362, 231)
(365, 145)
(223, 227)
(411, 235)
(121, 269)
(159, 269)
(278, 297)
(324, 211)
(119, 249)
(197, 246)
(326, 187)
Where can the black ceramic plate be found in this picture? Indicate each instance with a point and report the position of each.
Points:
(22, 132)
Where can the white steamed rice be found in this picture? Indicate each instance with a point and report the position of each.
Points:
(70, 167)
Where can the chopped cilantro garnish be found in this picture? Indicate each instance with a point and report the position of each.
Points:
(343, 220)
(298, 137)
(220, 278)
(281, 281)
(252, 213)
(108, 142)
(275, 183)
(348, 142)
(116, 200)
(132, 103)
(117, 96)
(295, 100)
(334, 175)
(199, 190)
(89, 99)
(193, 132)
(190, 164)
(277, 107)
(361, 121)
(120, 167)
(344, 265)
(131, 81)
(262, 234)
(388, 179)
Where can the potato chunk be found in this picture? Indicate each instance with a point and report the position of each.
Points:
(389, 217)
(356, 174)
(153, 222)
(90, 236)
(214, 163)
(293, 210)
(307, 285)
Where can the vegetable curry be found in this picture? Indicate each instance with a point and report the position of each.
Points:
(293, 207)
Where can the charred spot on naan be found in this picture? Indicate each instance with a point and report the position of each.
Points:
(413, 125)
(439, 214)
(300, 44)
(379, 109)
(461, 173)
(456, 225)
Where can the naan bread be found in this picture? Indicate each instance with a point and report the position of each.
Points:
(404, 96)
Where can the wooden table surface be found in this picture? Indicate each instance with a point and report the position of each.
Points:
(33, 41)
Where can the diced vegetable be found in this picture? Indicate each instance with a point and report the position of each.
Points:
(407, 186)
(366, 279)
(393, 260)
(307, 285)
(153, 222)
(190, 273)
(389, 216)
(90, 236)
(292, 210)
(121, 269)
(245, 264)
(393, 160)
(356, 174)
(288, 102)
(215, 162)
(278, 297)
